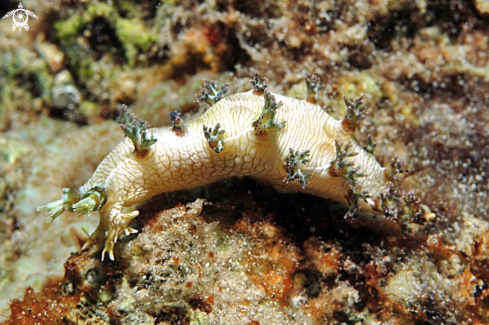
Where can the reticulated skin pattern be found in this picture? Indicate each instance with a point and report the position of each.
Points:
(291, 144)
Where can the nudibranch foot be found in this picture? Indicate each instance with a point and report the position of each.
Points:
(118, 224)
(354, 200)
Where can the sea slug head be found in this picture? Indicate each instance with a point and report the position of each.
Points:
(68, 198)
(91, 200)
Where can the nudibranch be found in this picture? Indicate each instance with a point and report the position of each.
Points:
(291, 144)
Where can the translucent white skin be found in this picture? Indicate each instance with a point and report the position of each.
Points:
(180, 162)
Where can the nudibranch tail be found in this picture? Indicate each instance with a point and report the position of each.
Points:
(412, 210)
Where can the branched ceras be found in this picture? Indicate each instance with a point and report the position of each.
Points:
(354, 113)
(314, 86)
(267, 122)
(210, 94)
(136, 130)
(293, 164)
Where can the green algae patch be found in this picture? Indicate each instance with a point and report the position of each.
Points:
(68, 29)
(354, 86)
(101, 10)
(134, 36)
(88, 108)
(132, 33)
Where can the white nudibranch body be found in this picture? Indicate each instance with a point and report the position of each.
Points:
(291, 144)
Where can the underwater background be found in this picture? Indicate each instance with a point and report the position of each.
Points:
(249, 255)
